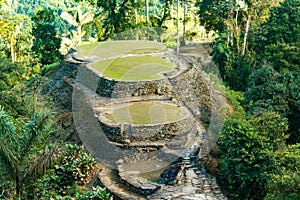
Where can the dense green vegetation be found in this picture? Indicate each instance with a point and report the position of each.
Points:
(256, 50)
(35, 159)
(257, 53)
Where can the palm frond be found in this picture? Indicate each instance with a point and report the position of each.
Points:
(38, 129)
(6, 126)
(69, 18)
(8, 158)
(79, 14)
(48, 158)
(7, 150)
(87, 18)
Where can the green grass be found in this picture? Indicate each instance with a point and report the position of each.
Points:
(146, 113)
(127, 68)
(86, 49)
(144, 50)
(116, 48)
(133, 68)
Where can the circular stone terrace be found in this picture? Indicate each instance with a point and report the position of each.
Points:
(137, 124)
(143, 123)
(131, 60)
(142, 112)
(136, 62)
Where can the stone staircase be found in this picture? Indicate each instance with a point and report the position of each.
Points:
(193, 183)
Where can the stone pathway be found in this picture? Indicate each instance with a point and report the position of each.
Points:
(195, 184)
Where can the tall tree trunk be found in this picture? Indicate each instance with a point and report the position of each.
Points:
(178, 42)
(237, 32)
(136, 21)
(246, 34)
(79, 33)
(18, 185)
(165, 14)
(228, 35)
(12, 51)
(115, 20)
(184, 20)
(35, 95)
(147, 11)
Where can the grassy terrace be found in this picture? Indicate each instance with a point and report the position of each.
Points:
(131, 68)
(145, 113)
(117, 48)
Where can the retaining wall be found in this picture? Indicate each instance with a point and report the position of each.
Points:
(125, 133)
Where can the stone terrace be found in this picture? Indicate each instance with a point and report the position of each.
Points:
(180, 141)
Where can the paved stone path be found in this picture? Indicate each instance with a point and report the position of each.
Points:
(195, 183)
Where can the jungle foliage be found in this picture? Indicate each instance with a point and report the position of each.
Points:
(257, 53)
(256, 50)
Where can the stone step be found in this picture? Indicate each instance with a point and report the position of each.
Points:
(147, 143)
(114, 185)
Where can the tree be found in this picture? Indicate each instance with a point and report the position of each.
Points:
(73, 170)
(117, 15)
(272, 129)
(23, 154)
(232, 20)
(147, 11)
(78, 20)
(12, 95)
(294, 104)
(177, 25)
(286, 184)
(247, 163)
(269, 90)
(277, 40)
(186, 5)
(2, 23)
(46, 43)
(234, 17)
(16, 32)
(161, 12)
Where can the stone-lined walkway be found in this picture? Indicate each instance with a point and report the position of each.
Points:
(194, 183)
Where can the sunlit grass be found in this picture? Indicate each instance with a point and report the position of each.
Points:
(115, 48)
(146, 113)
(133, 68)
(110, 63)
(86, 49)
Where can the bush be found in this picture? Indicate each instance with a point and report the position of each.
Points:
(73, 170)
(247, 164)
(286, 185)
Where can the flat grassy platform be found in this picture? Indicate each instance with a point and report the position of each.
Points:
(152, 112)
(112, 59)
(115, 48)
(133, 68)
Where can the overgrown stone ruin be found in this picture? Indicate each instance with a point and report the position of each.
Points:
(161, 159)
